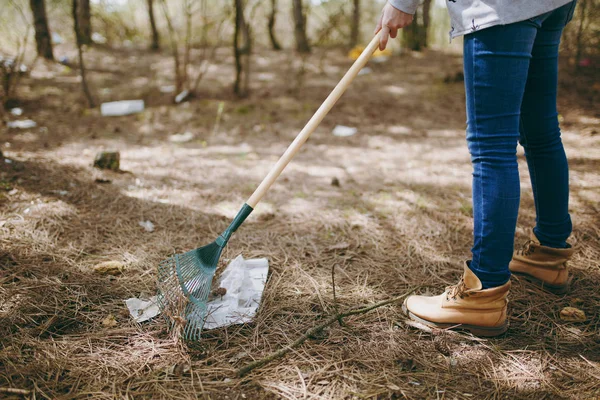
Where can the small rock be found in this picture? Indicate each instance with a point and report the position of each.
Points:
(181, 137)
(335, 182)
(109, 321)
(147, 225)
(572, 314)
(108, 160)
(110, 268)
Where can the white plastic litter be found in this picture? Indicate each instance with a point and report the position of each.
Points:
(181, 137)
(56, 38)
(124, 107)
(380, 59)
(167, 89)
(98, 38)
(244, 281)
(343, 131)
(142, 310)
(147, 225)
(181, 96)
(16, 111)
(365, 71)
(22, 124)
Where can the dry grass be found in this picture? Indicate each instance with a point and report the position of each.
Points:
(399, 219)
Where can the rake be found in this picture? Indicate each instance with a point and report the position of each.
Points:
(184, 280)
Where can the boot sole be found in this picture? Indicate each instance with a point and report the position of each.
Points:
(482, 331)
(555, 289)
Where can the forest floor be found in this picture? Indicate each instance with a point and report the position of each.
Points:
(399, 219)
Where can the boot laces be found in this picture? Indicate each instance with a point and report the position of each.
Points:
(527, 248)
(458, 290)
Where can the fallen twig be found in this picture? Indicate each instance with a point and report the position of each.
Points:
(312, 331)
(9, 390)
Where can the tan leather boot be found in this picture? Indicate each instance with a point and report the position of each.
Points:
(464, 306)
(546, 267)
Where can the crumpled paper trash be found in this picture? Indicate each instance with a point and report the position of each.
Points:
(244, 281)
(142, 310)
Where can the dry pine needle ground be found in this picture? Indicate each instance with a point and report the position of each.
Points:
(397, 217)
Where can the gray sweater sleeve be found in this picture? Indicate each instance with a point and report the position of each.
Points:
(407, 6)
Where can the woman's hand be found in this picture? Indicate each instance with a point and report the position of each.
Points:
(390, 21)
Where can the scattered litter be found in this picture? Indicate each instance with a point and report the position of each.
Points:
(572, 314)
(109, 321)
(244, 282)
(365, 71)
(56, 38)
(380, 59)
(167, 89)
(123, 107)
(109, 268)
(98, 38)
(265, 76)
(16, 111)
(22, 124)
(142, 310)
(415, 383)
(343, 131)
(182, 96)
(108, 160)
(7, 161)
(60, 192)
(147, 225)
(13, 192)
(181, 137)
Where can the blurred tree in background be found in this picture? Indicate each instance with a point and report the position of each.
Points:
(42, 32)
(196, 28)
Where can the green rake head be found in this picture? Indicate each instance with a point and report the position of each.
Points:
(184, 281)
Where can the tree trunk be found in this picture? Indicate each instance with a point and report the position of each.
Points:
(355, 29)
(241, 49)
(85, 22)
(426, 19)
(77, 30)
(155, 38)
(580, 29)
(410, 35)
(42, 32)
(300, 27)
(274, 42)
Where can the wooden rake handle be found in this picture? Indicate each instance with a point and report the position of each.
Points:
(314, 122)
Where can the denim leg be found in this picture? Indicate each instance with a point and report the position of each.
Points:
(496, 63)
(540, 136)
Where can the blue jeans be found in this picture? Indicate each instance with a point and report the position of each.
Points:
(511, 81)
